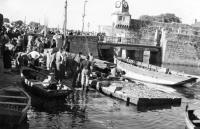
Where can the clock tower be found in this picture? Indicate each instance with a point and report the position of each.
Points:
(121, 17)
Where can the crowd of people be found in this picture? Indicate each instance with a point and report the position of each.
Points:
(29, 50)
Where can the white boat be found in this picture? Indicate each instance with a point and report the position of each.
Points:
(192, 121)
(153, 74)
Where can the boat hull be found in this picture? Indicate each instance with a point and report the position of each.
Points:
(9, 116)
(153, 77)
(40, 91)
(14, 104)
(189, 116)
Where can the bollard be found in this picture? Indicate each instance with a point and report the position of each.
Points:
(127, 101)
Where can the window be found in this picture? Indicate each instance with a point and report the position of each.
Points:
(120, 18)
(123, 18)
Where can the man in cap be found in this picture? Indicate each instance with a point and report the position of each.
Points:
(58, 39)
(85, 66)
(76, 68)
(57, 62)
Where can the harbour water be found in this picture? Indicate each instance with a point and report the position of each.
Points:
(93, 110)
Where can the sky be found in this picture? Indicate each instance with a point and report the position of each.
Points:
(98, 12)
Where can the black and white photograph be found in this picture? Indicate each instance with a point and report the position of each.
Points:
(99, 64)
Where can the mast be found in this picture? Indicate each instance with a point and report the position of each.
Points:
(65, 24)
(84, 15)
(25, 20)
(45, 26)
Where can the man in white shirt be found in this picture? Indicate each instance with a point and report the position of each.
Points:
(34, 58)
(59, 39)
(34, 54)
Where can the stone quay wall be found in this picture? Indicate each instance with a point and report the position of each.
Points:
(180, 42)
(84, 44)
(182, 49)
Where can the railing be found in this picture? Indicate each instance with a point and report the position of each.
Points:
(127, 41)
(118, 40)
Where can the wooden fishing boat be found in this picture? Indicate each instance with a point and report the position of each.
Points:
(153, 74)
(35, 82)
(192, 121)
(14, 104)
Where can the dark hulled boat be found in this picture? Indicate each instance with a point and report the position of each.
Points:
(14, 104)
(35, 82)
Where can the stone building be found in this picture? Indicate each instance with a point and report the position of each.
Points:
(179, 43)
(122, 25)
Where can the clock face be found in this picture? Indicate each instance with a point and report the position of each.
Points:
(125, 4)
(118, 4)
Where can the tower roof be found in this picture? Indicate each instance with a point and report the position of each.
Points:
(120, 13)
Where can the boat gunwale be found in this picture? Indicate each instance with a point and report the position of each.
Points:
(25, 108)
(180, 80)
(187, 118)
(49, 93)
(138, 64)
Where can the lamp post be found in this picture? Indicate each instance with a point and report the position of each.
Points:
(113, 24)
(84, 15)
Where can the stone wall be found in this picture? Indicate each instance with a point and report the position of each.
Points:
(182, 53)
(181, 49)
(182, 37)
(138, 24)
(182, 44)
(181, 41)
(84, 44)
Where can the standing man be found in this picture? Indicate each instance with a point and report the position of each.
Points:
(58, 39)
(91, 58)
(58, 58)
(7, 59)
(39, 44)
(47, 43)
(31, 41)
(86, 65)
(77, 70)
(48, 60)
(18, 47)
(34, 58)
(4, 39)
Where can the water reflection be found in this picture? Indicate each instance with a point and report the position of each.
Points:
(58, 114)
(188, 92)
(23, 125)
(156, 107)
(86, 110)
(185, 69)
(78, 101)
